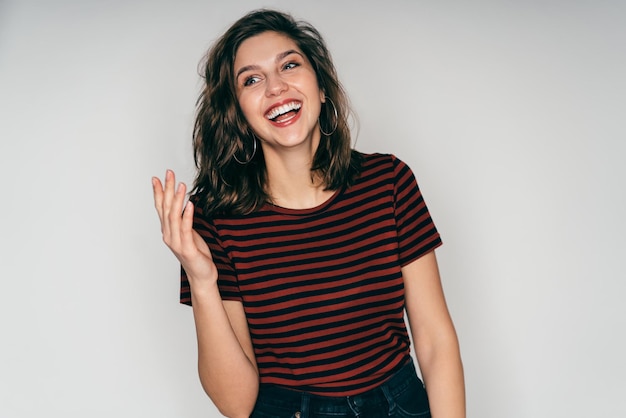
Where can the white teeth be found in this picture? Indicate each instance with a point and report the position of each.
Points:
(280, 110)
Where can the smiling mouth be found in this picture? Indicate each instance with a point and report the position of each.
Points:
(284, 112)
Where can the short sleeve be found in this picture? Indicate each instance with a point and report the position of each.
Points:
(227, 277)
(417, 234)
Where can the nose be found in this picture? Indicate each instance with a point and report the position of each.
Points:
(275, 85)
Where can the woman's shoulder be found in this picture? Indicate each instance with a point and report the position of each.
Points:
(380, 162)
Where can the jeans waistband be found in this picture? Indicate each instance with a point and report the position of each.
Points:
(279, 398)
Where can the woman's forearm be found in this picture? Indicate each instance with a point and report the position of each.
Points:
(442, 371)
(227, 374)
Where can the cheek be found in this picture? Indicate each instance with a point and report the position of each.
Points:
(247, 108)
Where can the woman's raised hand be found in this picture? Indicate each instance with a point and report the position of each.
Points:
(178, 233)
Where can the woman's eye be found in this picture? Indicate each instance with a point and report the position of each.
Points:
(290, 65)
(250, 81)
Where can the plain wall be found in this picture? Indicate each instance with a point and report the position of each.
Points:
(511, 114)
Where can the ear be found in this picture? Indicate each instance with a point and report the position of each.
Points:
(322, 96)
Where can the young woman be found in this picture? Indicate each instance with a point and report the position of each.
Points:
(300, 255)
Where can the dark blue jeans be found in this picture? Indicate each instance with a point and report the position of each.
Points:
(401, 396)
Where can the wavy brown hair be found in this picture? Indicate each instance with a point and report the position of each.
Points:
(231, 179)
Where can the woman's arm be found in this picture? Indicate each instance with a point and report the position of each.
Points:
(226, 362)
(434, 337)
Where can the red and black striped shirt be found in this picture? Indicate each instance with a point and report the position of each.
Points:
(322, 288)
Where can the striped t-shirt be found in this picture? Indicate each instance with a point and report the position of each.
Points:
(322, 288)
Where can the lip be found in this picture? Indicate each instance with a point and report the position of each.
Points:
(281, 103)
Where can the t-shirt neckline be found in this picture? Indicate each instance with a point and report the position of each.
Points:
(308, 211)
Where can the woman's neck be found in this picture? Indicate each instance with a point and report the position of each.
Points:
(292, 184)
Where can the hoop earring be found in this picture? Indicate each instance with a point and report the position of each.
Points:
(332, 131)
(251, 156)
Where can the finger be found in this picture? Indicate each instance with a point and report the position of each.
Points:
(166, 207)
(186, 227)
(175, 215)
(168, 191)
(157, 191)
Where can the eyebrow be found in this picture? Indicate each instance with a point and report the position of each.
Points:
(279, 57)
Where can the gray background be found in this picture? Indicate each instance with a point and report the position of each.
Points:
(510, 113)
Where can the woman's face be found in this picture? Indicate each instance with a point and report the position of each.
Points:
(278, 92)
